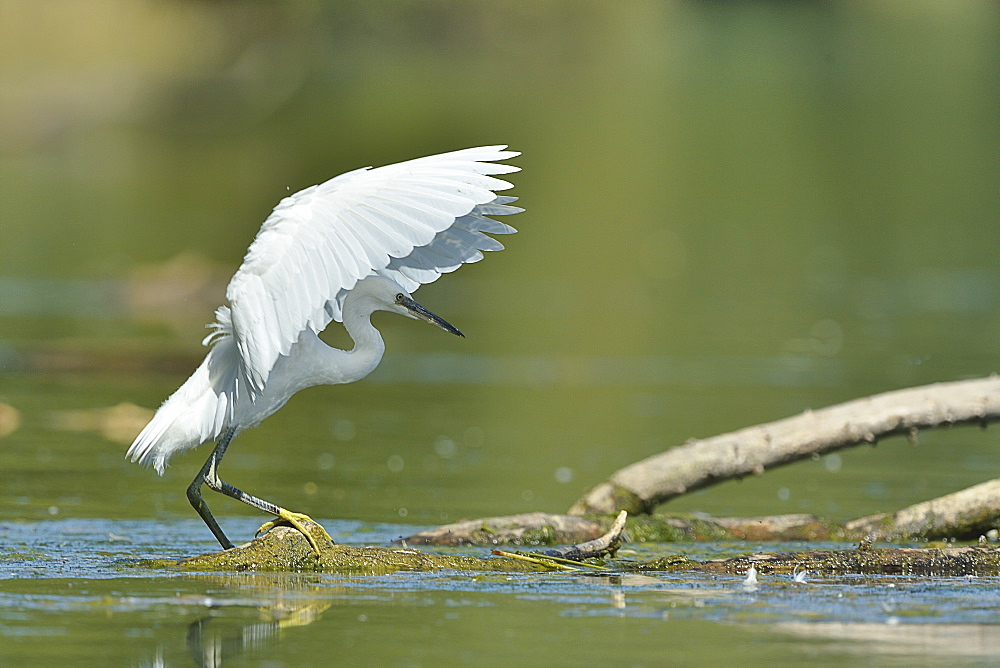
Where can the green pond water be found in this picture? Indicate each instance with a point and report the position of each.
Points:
(72, 592)
(734, 212)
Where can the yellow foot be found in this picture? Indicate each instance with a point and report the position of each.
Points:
(295, 520)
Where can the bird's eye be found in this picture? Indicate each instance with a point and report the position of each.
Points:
(400, 297)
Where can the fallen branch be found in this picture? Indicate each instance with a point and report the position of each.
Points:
(971, 513)
(967, 514)
(964, 515)
(528, 529)
(571, 558)
(594, 549)
(641, 487)
(541, 529)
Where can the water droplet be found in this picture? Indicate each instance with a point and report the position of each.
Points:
(564, 474)
(445, 447)
(344, 430)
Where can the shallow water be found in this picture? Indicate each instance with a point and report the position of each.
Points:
(734, 212)
(72, 589)
(80, 519)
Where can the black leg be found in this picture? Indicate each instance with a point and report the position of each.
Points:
(209, 475)
(194, 489)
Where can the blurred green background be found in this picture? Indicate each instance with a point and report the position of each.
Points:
(735, 211)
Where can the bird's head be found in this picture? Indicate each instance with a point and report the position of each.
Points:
(383, 294)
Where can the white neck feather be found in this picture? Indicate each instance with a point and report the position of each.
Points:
(313, 362)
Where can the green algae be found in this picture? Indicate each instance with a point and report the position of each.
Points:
(867, 560)
(283, 549)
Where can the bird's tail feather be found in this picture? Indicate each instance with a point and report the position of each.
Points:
(144, 450)
(206, 400)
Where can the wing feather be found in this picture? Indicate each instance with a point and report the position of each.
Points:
(411, 221)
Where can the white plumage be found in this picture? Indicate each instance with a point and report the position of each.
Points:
(360, 242)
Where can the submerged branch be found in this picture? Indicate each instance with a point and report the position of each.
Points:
(285, 549)
(641, 487)
(866, 560)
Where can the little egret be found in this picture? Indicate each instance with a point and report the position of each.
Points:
(358, 243)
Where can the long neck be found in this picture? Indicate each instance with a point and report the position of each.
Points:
(331, 366)
(316, 363)
(368, 345)
(312, 362)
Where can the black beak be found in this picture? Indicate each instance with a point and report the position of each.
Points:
(421, 313)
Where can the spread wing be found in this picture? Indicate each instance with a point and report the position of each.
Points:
(411, 221)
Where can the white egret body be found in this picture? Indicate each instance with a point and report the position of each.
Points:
(358, 243)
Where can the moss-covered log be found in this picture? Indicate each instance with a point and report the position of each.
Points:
(547, 529)
(963, 515)
(526, 529)
(661, 528)
(286, 550)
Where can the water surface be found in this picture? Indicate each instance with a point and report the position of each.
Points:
(73, 588)
(734, 212)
